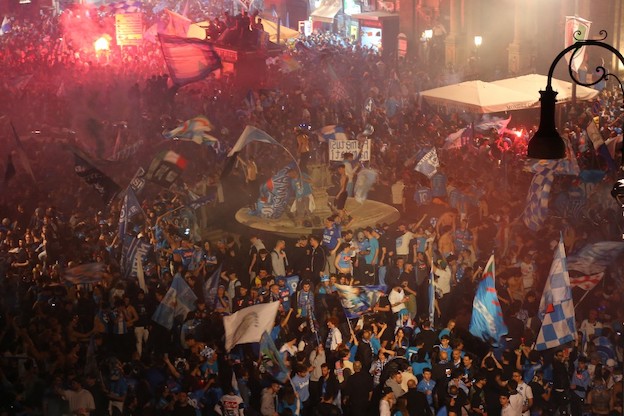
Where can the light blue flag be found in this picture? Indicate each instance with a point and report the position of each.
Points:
(291, 283)
(178, 302)
(249, 135)
(487, 316)
(272, 359)
(211, 285)
(594, 258)
(556, 308)
(129, 209)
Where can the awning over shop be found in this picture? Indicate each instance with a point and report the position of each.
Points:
(376, 15)
(326, 11)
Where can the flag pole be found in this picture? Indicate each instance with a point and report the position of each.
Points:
(582, 298)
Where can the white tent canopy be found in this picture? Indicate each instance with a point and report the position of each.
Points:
(479, 97)
(533, 83)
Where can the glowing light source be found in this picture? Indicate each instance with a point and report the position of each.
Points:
(427, 34)
(478, 40)
(519, 134)
(101, 44)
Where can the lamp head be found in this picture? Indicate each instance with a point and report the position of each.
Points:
(618, 191)
(547, 143)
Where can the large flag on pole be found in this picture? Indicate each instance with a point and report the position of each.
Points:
(248, 324)
(272, 359)
(188, 59)
(487, 316)
(178, 301)
(556, 308)
(249, 135)
(359, 300)
(576, 29)
(594, 258)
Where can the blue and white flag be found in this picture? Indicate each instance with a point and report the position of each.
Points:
(366, 178)
(129, 209)
(6, 26)
(86, 274)
(556, 308)
(487, 316)
(332, 132)
(249, 135)
(131, 248)
(488, 123)
(359, 300)
(291, 283)
(178, 302)
(428, 165)
(536, 208)
(211, 285)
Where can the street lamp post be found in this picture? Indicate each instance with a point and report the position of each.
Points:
(478, 40)
(547, 143)
(426, 39)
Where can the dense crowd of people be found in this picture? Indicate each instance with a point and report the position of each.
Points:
(78, 347)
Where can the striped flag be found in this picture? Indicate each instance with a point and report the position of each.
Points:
(178, 302)
(586, 282)
(536, 208)
(188, 60)
(195, 130)
(487, 316)
(556, 308)
(166, 168)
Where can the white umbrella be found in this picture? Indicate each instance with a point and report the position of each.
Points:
(533, 83)
(479, 97)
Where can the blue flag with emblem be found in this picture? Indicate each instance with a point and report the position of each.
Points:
(359, 300)
(272, 359)
(211, 285)
(487, 316)
(129, 209)
(428, 165)
(556, 308)
(178, 302)
(536, 208)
